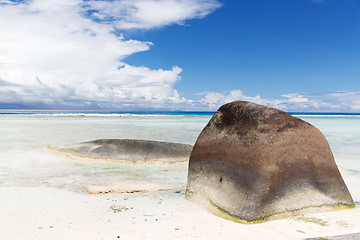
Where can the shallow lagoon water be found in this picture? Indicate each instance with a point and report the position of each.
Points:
(23, 163)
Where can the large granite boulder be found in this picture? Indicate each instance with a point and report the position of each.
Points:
(253, 163)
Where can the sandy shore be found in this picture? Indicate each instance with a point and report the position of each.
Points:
(49, 213)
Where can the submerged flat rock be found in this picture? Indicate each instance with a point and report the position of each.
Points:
(129, 150)
(253, 163)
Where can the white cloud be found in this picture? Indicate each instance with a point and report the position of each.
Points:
(340, 101)
(295, 98)
(214, 100)
(52, 53)
(298, 102)
(9, 2)
(146, 14)
(345, 100)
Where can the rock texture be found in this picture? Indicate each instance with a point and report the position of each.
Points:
(128, 150)
(253, 163)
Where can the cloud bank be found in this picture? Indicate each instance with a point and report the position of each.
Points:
(70, 53)
(339, 101)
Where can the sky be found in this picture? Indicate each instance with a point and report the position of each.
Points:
(180, 55)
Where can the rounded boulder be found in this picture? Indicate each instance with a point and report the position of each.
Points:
(253, 163)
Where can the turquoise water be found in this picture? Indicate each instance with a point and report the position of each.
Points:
(25, 133)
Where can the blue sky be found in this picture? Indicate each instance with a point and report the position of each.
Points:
(299, 55)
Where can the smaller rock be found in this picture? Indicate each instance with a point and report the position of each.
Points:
(117, 207)
(125, 151)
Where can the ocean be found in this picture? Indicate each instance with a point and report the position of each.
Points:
(24, 135)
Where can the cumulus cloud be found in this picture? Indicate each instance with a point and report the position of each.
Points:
(214, 100)
(295, 98)
(348, 101)
(339, 101)
(146, 14)
(56, 53)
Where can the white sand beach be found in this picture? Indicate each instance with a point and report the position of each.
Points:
(44, 196)
(45, 213)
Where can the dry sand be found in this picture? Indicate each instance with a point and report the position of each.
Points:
(48, 213)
